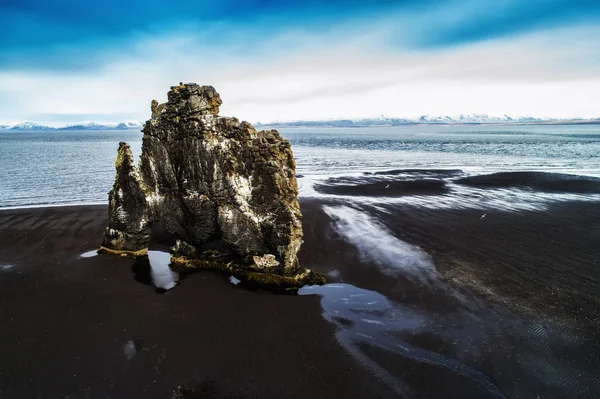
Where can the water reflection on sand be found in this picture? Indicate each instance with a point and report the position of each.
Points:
(367, 317)
(89, 254)
(154, 269)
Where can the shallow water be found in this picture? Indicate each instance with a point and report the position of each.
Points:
(378, 244)
(365, 317)
(162, 275)
(154, 269)
(528, 357)
(89, 254)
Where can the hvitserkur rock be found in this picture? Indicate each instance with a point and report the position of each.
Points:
(210, 178)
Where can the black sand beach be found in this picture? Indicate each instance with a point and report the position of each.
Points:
(510, 309)
(383, 187)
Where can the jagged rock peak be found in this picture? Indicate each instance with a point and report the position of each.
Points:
(189, 98)
(210, 180)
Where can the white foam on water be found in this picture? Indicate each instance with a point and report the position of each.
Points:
(457, 197)
(377, 244)
(317, 165)
(371, 321)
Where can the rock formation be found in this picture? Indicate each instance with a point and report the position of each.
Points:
(210, 178)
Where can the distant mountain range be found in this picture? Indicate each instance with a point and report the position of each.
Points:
(30, 126)
(366, 122)
(430, 120)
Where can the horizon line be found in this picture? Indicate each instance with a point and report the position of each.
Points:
(456, 117)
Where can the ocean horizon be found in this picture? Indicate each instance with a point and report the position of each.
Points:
(77, 167)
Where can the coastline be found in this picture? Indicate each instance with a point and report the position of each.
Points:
(37, 206)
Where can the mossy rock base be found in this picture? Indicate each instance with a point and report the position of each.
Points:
(252, 279)
(123, 253)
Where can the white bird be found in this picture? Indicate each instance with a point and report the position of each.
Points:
(388, 186)
(482, 216)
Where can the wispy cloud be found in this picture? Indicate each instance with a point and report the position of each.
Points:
(301, 60)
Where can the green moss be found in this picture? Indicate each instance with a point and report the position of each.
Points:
(122, 252)
(270, 281)
(212, 260)
(184, 264)
(121, 155)
(313, 278)
(146, 189)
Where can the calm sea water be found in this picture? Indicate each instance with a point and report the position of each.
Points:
(43, 168)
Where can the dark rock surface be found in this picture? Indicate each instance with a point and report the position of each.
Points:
(128, 207)
(209, 178)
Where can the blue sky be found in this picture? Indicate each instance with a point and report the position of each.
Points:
(69, 61)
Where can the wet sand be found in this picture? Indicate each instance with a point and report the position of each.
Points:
(537, 181)
(385, 188)
(514, 295)
(463, 306)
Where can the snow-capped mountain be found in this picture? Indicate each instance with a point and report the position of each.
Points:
(128, 125)
(476, 119)
(430, 120)
(84, 126)
(383, 121)
(98, 126)
(31, 126)
(483, 118)
(364, 122)
(434, 119)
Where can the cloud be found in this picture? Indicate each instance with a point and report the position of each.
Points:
(300, 60)
(68, 35)
(466, 21)
(539, 74)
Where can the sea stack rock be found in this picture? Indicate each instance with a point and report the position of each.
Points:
(210, 180)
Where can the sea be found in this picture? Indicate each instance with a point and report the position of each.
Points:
(77, 167)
